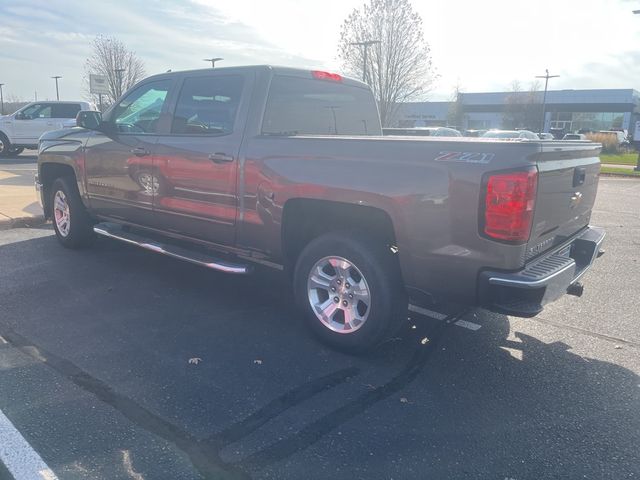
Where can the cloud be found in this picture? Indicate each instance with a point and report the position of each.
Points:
(37, 41)
(483, 45)
(621, 70)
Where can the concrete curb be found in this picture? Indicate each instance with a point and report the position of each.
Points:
(626, 175)
(22, 222)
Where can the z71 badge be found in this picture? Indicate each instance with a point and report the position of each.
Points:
(465, 157)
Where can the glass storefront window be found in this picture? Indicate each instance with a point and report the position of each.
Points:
(574, 121)
(479, 124)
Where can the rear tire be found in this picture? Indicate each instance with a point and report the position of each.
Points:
(5, 145)
(16, 150)
(71, 222)
(350, 291)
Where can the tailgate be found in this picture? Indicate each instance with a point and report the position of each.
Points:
(568, 175)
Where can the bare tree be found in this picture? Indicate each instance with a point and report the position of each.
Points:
(523, 108)
(121, 67)
(13, 102)
(455, 115)
(399, 67)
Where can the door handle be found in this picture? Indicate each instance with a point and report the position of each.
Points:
(220, 158)
(139, 152)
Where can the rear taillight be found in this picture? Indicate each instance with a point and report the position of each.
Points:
(508, 205)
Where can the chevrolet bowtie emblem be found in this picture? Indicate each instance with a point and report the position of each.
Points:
(576, 198)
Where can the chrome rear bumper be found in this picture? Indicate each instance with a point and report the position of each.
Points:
(525, 292)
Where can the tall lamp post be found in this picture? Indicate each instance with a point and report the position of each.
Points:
(1, 100)
(636, 140)
(212, 60)
(57, 92)
(546, 77)
(366, 44)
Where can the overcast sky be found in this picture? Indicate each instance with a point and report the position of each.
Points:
(483, 45)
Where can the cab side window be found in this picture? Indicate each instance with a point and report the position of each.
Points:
(65, 110)
(139, 112)
(207, 105)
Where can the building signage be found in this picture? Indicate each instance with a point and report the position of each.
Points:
(98, 84)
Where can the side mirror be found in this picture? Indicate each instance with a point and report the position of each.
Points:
(89, 119)
(19, 116)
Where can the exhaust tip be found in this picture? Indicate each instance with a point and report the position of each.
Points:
(576, 289)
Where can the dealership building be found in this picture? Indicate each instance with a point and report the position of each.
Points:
(568, 110)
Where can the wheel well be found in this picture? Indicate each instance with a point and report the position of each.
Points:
(48, 173)
(303, 220)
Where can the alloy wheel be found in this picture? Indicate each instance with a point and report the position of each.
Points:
(339, 294)
(61, 213)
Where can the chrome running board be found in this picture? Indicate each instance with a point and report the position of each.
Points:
(113, 230)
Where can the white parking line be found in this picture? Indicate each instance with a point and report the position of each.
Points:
(469, 325)
(441, 316)
(22, 461)
(427, 312)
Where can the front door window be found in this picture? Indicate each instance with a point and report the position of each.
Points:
(139, 112)
(38, 110)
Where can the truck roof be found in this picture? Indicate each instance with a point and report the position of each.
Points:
(276, 69)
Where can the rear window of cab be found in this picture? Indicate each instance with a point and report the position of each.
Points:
(300, 106)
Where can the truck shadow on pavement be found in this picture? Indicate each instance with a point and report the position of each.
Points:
(24, 159)
(267, 401)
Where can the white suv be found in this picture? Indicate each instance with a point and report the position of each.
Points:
(23, 128)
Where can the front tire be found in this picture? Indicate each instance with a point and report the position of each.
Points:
(71, 222)
(349, 289)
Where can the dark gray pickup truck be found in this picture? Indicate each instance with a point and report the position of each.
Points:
(288, 168)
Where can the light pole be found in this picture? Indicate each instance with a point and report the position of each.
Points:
(637, 140)
(366, 44)
(1, 100)
(212, 60)
(546, 77)
(119, 80)
(57, 92)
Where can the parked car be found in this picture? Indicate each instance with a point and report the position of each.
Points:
(574, 136)
(511, 134)
(23, 128)
(474, 133)
(288, 168)
(423, 132)
(546, 136)
(620, 137)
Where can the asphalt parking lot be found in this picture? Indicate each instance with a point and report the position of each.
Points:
(23, 167)
(117, 363)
